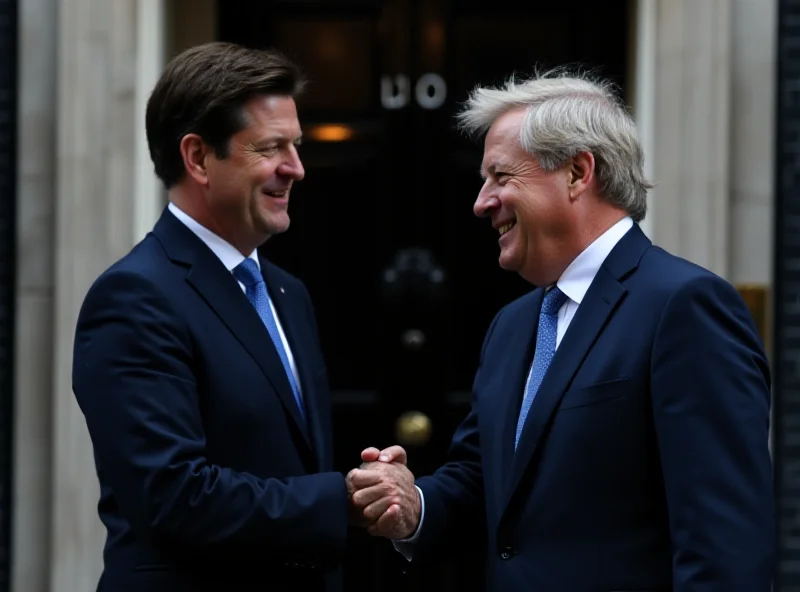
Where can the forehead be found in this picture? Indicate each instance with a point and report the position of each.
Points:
(501, 146)
(271, 116)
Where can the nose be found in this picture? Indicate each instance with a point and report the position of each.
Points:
(485, 202)
(292, 166)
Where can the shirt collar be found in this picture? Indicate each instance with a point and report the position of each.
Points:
(577, 278)
(225, 251)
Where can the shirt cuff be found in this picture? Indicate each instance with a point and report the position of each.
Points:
(406, 546)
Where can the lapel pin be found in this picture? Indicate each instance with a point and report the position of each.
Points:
(282, 290)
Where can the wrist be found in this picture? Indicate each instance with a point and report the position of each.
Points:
(417, 508)
(416, 515)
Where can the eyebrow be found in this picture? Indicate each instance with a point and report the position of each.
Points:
(279, 139)
(490, 169)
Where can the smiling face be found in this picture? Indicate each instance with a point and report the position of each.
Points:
(532, 209)
(245, 194)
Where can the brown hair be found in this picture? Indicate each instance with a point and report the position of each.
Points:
(202, 91)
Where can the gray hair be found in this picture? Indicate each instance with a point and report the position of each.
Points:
(567, 114)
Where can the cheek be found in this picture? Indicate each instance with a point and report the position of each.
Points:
(263, 170)
(531, 213)
(544, 211)
(215, 172)
(223, 174)
(539, 224)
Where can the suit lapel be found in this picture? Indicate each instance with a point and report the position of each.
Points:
(217, 286)
(598, 305)
(291, 318)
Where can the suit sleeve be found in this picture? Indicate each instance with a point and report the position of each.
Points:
(133, 378)
(455, 511)
(711, 399)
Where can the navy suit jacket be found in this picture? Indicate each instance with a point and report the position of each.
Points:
(209, 478)
(644, 461)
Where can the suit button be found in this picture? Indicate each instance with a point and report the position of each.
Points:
(506, 553)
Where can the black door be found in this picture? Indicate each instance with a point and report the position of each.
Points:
(404, 278)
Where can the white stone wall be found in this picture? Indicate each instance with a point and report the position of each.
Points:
(752, 171)
(94, 209)
(35, 295)
(84, 196)
(691, 135)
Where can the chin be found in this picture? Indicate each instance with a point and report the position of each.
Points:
(509, 265)
(272, 227)
(508, 258)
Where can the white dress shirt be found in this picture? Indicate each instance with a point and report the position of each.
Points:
(574, 283)
(577, 278)
(231, 258)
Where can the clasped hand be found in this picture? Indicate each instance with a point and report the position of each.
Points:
(382, 494)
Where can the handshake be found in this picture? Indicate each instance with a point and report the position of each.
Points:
(382, 494)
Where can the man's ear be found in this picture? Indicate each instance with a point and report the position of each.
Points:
(195, 153)
(581, 173)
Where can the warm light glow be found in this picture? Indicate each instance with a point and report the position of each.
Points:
(434, 35)
(330, 132)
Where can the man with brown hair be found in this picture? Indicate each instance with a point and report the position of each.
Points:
(197, 364)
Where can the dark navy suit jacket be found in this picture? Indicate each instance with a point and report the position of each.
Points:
(210, 479)
(644, 461)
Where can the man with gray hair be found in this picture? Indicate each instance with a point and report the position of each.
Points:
(618, 437)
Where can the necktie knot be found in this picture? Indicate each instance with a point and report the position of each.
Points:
(553, 301)
(248, 273)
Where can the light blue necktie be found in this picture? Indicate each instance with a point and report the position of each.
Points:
(249, 274)
(545, 349)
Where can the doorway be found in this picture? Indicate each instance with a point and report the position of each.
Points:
(404, 278)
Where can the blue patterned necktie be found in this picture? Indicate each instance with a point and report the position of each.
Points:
(545, 349)
(249, 274)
